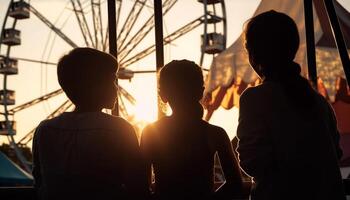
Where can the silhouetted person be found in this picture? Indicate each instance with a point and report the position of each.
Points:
(87, 154)
(288, 137)
(181, 147)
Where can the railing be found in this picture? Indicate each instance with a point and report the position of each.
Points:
(28, 193)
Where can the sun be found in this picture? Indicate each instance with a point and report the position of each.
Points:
(145, 112)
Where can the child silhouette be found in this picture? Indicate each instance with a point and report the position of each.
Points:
(87, 154)
(181, 147)
(288, 137)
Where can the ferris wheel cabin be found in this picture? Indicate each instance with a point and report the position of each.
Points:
(11, 37)
(210, 1)
(8, 66)
(213, 43)
(19, 10)
(4, 130)
(7, 97)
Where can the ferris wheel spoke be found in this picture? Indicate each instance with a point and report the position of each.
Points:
(127, 95)
(122, 107)
(35, 101)
(84, 27)
(130, 21)
(167, 40)
(143, 31)
(52, 27)
(97, 20)
(62, 108)
(35, 61)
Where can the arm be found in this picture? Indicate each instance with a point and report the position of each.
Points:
(254, 147)
(228, 160)
(335, 132)
(229, 164)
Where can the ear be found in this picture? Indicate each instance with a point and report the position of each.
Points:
(198, 94)
(256, 67)
(163, 96)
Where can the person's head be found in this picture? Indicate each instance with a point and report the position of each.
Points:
(87, 76)
(272, 41)
(181, 83)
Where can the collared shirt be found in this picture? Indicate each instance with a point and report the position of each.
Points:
(88, 155)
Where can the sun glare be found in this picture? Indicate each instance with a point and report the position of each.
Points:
(146, 112)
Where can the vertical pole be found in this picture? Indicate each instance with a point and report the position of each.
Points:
(158, 18)
(113, 42)
(339, 38)
(205, 35)
(310, 42)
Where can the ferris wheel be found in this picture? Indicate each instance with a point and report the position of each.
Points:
(133, 26)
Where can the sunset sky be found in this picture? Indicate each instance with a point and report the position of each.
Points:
(40, 43)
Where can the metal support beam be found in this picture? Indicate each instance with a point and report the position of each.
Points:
(158, 18)
(112, 29)
(339, 38)
(205, 35)
(310, 42)
(119, 6)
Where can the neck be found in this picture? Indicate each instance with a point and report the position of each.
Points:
(188, 111)
(281, 72)
(83, 109)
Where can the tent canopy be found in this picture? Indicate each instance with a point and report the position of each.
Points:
(327, 39)
(230, 71)
(11, 174)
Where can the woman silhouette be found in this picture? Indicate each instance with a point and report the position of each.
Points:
(288, 138)
(181, 147)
